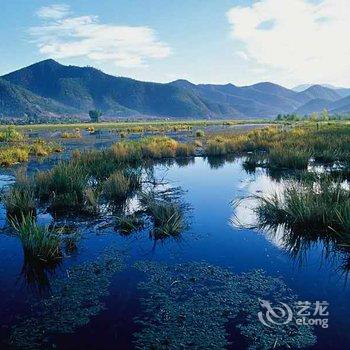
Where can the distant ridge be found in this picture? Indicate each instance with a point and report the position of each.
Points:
(48, 88)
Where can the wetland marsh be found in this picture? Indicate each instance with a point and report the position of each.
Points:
(169, 239)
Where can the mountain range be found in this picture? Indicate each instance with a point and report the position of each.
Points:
(50, 89)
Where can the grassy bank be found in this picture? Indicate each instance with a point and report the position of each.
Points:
(289, 147)
(129, 126)
(15, 147)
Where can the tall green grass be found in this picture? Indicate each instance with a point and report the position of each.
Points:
(322, 204)
(167, 215)
(39, 242)
(292, 148)
(20, 198)
(288, 158)
(116, 187)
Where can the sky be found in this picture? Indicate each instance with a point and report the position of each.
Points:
(288, 42)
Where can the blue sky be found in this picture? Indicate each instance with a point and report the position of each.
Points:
(216, 41)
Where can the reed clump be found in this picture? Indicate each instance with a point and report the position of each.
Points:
(65, 185)
(280, 157)
(116, 187)
(19, 200)
(40, 243)
(321, 204)
(127, 224)
(167, 216)
(11, 134)
(291, 148)
(71, 135)
(10, 155)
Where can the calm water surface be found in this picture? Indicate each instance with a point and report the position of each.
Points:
(211, 237)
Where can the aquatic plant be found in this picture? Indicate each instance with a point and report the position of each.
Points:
(184, 150)
(288, 158)
(288, 148)
(190, 305)
(20, 198)
(127, 224)
(167, 217)
(158, 147)
(321, 204)
(73, 301)
(40, 243)
(91, 200)
(65, 184)
(116, 187)
(200, 133)
(216, 147)
(11, 134)
(41, 148)
(127, 152)
(10, 155)
(71, 135)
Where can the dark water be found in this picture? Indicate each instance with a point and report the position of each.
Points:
(211, 237)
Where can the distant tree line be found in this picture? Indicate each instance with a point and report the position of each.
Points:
(314, 117)
(28, 119)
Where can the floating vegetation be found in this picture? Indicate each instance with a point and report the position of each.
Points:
(192, 306)
(72, 302)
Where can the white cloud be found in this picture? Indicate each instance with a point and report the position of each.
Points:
(64, 36)
(304, 41)
(53, 11)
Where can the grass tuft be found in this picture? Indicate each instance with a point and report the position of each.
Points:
(20, 199)
(39, 242)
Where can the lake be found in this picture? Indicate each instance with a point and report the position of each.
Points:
(212, 238)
